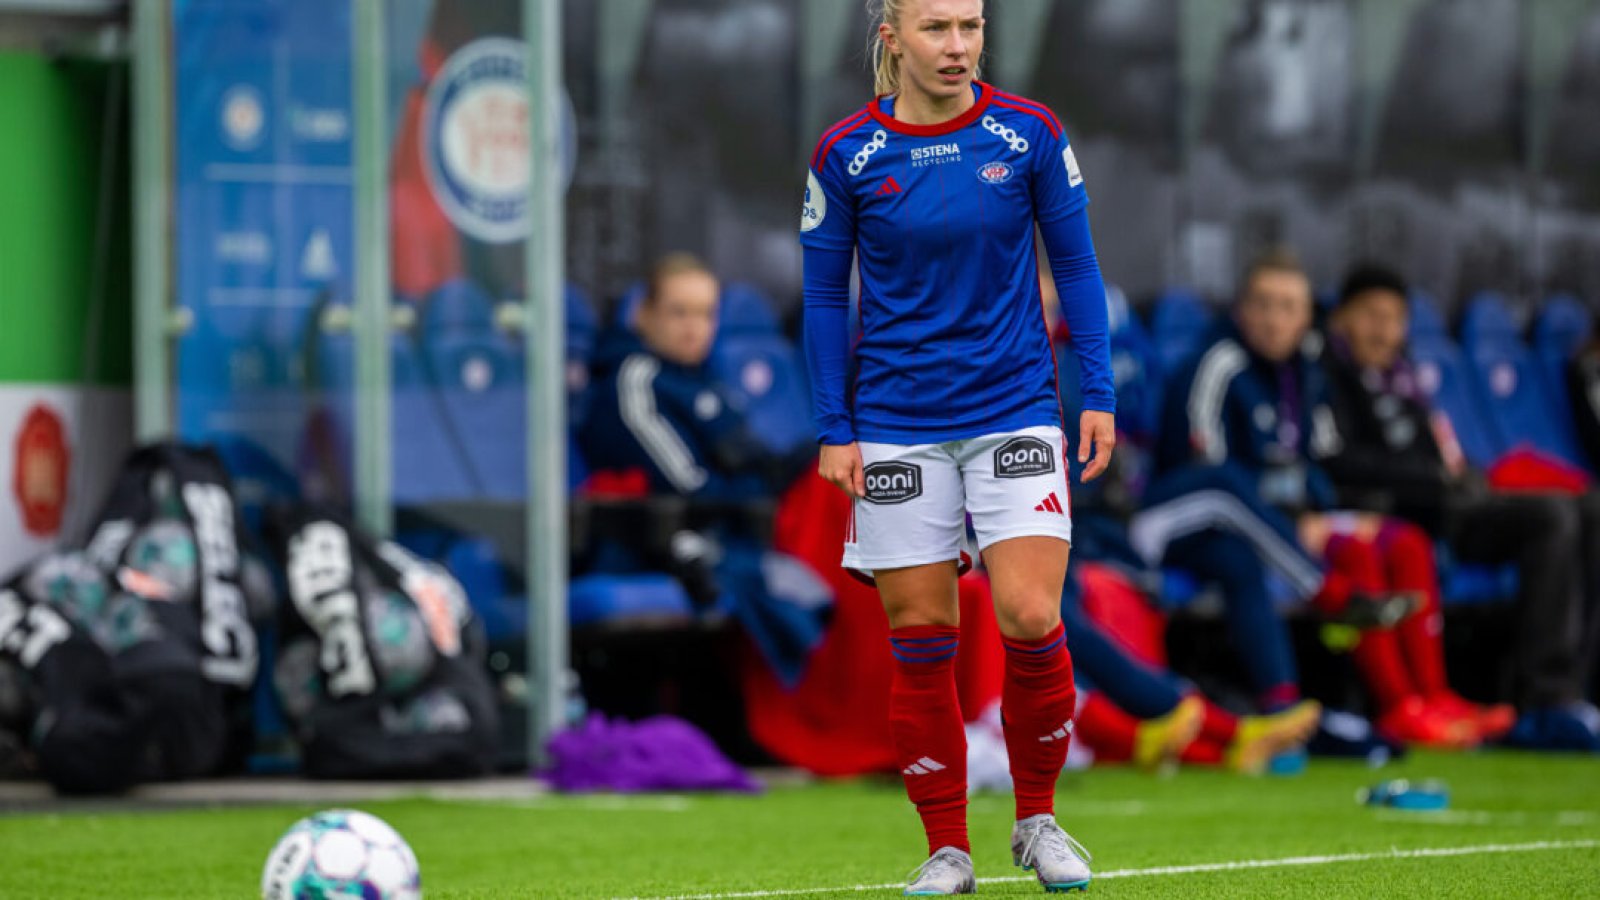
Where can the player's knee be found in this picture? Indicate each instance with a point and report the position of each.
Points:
(1031, 617)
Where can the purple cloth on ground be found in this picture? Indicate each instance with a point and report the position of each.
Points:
(661, 753)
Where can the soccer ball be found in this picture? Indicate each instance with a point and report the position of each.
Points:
(399, 641)
(341, 853)
(165, 550)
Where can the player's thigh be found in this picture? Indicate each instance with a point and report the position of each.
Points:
(920, 595)
(1026, 575)
(914, 511)
(1017, 493)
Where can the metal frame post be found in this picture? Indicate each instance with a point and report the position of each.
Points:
(152, 230)
(547, 426)
(373, 436)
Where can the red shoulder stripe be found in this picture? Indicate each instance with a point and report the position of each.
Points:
(832, 136)
(1024, 101)
(1028, 106)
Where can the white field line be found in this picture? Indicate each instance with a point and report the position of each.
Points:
(1236, 865)
(1478, 817)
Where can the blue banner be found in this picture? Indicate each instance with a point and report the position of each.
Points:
(263, 209)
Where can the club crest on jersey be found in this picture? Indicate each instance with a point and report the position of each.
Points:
(1023, 457)
(995, 172)
(893, 482)
(475, 140)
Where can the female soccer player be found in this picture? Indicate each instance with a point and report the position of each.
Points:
(936, 188)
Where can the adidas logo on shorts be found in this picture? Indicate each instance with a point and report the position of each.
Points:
(1050, 505)
(923, 766)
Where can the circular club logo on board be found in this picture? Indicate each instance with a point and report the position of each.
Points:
(475, 139)
(242, 117)
(39, 479)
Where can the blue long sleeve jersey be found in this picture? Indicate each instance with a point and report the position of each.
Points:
(940, 219)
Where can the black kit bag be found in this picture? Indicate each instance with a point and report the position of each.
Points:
(381, 668)
(136, 653)
(170, 497)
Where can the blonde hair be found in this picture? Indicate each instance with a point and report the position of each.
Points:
(1280, 258)
(885, 65)
(671, 266)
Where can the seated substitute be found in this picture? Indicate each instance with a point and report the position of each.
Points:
(658, 408)
(1256, 400)
(1392, 445)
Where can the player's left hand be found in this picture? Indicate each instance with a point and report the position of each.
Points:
(1097, 430)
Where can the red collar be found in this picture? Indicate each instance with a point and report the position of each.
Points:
(985, 93)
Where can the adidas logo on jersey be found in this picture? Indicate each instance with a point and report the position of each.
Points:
(923, 766)
(1060, 734)
(1050, 505)
(889, 186)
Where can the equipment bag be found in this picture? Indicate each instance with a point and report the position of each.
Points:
(382, 665)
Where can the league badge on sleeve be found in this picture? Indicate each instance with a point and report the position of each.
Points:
(1074, 176)
(816, 206)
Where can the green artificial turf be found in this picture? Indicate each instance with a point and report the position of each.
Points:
(864, 833)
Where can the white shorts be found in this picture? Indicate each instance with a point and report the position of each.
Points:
(918, 496)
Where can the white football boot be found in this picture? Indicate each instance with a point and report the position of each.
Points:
(1060, 863)
(947, 871)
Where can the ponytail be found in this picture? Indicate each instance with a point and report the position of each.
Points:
(885, 65)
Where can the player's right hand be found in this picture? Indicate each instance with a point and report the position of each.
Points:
(840, 465)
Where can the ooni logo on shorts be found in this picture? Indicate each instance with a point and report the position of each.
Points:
(1022, 457)
(476, 140)
(893, 482)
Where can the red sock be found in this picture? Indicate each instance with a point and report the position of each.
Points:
(1106, 729)
(1219, 726)
(1205, 752)
(929, 735)
(1408, 556)
(1377, 654)
(1037, 701)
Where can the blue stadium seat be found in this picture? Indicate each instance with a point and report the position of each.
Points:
(1136, 368)
(1426, 316)
(602, 599)
(583, 327)
(1562, 327)
(746, 310)
(627, 305)
(1511, 382)
(1443, 376)
(765, 371)
(1179, 323)
(479, 374)
(426, 465)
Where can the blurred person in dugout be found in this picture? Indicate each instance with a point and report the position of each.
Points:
(1399, 448)
(659, 409)
(1256, 402)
